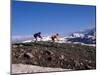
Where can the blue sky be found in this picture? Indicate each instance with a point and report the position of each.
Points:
(31, 17)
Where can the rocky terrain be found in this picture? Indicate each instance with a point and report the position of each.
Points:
(55, 55)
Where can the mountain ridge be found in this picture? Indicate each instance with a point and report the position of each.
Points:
(87, 36)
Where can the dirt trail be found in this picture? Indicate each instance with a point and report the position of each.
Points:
(23, 68)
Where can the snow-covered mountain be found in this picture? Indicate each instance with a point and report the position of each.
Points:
(87, 36)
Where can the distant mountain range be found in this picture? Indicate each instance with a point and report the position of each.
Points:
(87, 36)
(20, 39)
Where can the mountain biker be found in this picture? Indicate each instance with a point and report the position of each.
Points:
(55, 37)
(37, 35)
